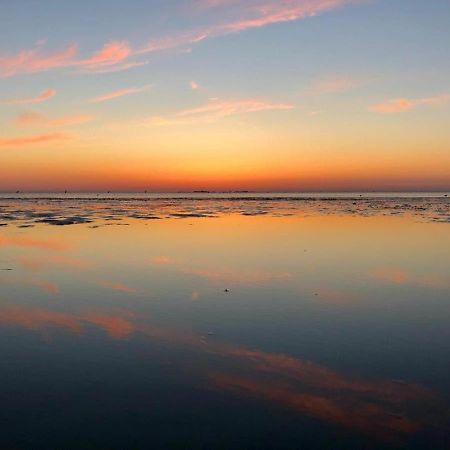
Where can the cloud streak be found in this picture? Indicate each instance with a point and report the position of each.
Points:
(334, 85)
(118, 93)
(32, 140)
(399, 105)
(254, 15)
(44, 95)
(31, 118)
(114, 55)
(111, 53)
(215, 110)
(34, 60)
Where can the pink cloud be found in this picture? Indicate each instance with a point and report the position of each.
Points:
(281, 11)
(254, 14)
(215, 110)
(404, 104)
(194, 85)
(32, 140)
(31, 118)
(45, 95)
(333, 85)
(215, 3)
(119, 93)
(33, 60)
(228, 108)
(111, 53)
(393, 106)
(114, 67)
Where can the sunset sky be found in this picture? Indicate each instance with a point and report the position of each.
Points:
(159, 95)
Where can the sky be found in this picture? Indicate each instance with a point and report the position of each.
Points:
(265, 95)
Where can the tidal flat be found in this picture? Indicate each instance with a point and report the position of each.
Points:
(269, 321)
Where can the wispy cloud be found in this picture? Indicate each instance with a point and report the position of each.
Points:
(255, 14)
(215, 110)
(215, 3)
(335, 84)
(110, 58)
(194, 85)
(31, 118)
(398, 105)
(119, 93)
(34, 60)
(113, 68)
(231, 107)
(114, 55)
(32, 140)
(45, 95)
(111, 53)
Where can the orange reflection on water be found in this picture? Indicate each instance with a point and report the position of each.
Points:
(46, 285)
(37, 263)
(116, 326)
(401, 276)
(38, 319)
(31, 242)
(343, 410)
(221, 274)
(116, 286)
(301, 385)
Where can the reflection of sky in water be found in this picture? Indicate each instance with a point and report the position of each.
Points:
(335, 327)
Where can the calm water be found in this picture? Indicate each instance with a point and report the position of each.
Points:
(225, 322)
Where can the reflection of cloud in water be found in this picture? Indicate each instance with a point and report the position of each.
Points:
(31, 242)
(220, 275)
(162, 260)
(116, 286)
(116, 326)
(45, 285)
(37, 263)
(38, 319)
(349, 411)
(386, 409)
(244, 276)
(401, 276)
(337, 296)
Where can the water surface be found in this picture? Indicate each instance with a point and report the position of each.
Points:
(207, 321)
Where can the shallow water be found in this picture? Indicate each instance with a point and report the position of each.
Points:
(234, 322)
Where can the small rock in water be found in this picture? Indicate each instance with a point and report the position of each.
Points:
(226, 290)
